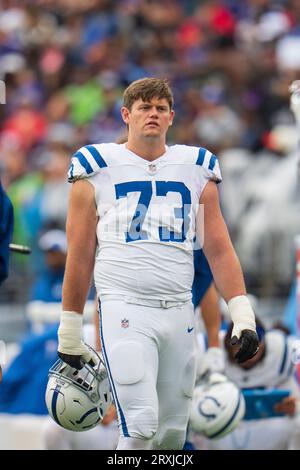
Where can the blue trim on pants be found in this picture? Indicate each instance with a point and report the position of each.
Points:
(122, 417)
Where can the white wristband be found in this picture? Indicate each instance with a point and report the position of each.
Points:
(242, 315)
(69, 333)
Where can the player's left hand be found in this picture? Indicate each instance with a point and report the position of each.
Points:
(249, 344)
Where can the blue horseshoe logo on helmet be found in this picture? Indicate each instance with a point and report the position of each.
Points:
(202, 412)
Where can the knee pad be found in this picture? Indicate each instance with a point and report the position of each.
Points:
(145, 423)
(127, 362)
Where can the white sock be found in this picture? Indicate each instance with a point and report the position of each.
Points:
(132, 443)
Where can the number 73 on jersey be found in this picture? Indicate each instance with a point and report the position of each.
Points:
(171, 214)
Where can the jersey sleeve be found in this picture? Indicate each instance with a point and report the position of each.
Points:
(210, 165)
(85, 163)
(202, 278)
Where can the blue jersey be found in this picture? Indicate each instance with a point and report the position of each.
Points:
(25, 382)
(6, 230)
(48, 287)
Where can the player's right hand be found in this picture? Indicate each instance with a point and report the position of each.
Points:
(71, 348)
(244, 328)
(249, 345)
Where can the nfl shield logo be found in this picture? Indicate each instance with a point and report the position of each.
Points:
(152, 169)
(124, 323)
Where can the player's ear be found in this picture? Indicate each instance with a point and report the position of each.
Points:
(125, 114)
(172, 113)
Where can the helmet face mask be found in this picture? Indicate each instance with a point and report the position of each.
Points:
(217, 407)
(78, 399)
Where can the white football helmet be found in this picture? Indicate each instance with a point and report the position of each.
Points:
(78, 399)
(217, 407)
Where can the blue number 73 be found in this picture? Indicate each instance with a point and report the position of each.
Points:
(162, 189)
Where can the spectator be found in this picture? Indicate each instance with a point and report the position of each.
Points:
(48, 287)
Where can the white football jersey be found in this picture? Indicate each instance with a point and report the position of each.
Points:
(147, 216)
(275, 370)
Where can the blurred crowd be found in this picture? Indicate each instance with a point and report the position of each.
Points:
(65, 65)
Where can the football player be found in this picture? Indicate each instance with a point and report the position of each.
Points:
(271, 369)
(132, 218)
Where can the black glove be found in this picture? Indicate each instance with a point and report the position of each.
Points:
(249, 345)
(74, 361)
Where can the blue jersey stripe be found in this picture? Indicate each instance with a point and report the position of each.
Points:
(212, 162)
(201, 156)
(122, 417)
(83, 162)
(71, 171)
(284, 358)
(96, 154)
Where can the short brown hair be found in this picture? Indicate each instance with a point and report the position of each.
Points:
(147, 89)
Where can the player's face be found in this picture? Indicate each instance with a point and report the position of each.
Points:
(148, 119)
(251, 362)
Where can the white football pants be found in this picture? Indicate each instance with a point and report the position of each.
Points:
(150, 357)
